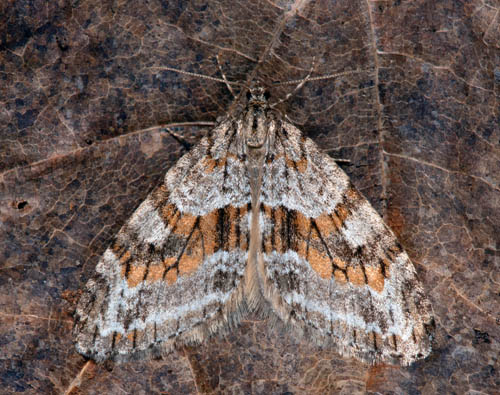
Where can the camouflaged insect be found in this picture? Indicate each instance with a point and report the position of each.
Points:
(255, 217)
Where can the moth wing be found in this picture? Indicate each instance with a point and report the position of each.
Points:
(173, 273)
(331, 267)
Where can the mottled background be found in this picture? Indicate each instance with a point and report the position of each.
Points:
(80, 148)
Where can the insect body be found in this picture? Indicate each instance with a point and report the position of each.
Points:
(255, 216)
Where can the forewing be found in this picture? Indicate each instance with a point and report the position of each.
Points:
(173, 272)
(331, 266)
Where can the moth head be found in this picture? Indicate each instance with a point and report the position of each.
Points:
(257, 96)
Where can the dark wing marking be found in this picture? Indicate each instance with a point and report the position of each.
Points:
(173, 273)
(342, 275)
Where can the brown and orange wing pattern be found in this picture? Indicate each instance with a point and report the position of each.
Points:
(332, 268)
(173, 272)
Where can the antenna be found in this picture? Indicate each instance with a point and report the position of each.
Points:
(206, 77)
(300, 83)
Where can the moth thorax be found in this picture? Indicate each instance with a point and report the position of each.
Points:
(256, 127)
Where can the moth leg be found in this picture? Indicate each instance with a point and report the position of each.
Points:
(299, 85)
(228, 84)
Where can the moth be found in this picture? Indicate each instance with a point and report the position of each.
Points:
(255, 217)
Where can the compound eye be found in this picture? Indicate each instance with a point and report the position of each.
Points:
(249, 95)
(267, 95)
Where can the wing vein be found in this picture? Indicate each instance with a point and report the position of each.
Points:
(176, 263)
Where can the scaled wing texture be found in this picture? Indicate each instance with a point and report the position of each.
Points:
(255, 217)
(331, 265)
(174, 270)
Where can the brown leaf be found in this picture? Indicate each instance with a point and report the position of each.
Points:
(80, 148)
